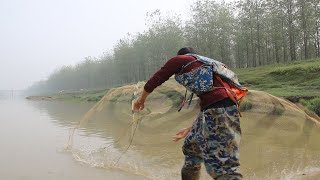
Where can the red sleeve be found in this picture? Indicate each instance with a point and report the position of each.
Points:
(172, 66)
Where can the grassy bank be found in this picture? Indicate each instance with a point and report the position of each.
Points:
(300, 79)
(162, 92)
(298, 82)
(90, 96)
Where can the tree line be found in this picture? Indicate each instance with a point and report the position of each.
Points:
(246, 33)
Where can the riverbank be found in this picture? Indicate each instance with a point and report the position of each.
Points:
(88, 96)
(274, 130)
(298, 82)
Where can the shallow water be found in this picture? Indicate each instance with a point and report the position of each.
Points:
(32, 139)
(34, 135)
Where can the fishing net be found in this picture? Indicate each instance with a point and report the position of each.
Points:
(135, 90)
(274, 130)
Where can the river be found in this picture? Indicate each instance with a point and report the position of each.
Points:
(34, 135)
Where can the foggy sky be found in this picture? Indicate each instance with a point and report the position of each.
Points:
(39, 36)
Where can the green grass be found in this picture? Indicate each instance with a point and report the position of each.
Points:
(94, 96)
(313, 104)
(90, 96)
(245, 105)
(296, 81)
(301, 78)
(278, 110)
(175, 96)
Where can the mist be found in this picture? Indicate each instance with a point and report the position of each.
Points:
(39, 37)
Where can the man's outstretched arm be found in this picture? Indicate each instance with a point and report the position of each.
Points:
(138, 105)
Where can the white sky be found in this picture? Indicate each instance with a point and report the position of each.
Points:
(39, 36)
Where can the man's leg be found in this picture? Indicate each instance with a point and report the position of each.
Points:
(219, 142)
(193, 156)
(190, 173)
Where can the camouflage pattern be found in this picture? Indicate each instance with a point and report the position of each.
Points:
(220, 68)
(214, 139)
(197, 81)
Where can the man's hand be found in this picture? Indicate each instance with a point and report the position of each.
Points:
(181, 134)
(138, 105)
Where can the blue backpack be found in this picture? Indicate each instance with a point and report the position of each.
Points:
(201, 79)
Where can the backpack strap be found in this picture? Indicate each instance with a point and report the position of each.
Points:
(186, 100)
(183, 101)
(190, 99)
(229, 92)
(183, 67)
(198, 59)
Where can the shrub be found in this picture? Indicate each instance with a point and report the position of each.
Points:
(314, 105)
(245, 105)
(278, 110)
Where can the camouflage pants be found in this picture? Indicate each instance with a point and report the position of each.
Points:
(214, 139)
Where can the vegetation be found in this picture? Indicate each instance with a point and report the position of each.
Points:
(298, 79)
(313, 105)
(89, 96)
(244, 34)
(247, 35)
(246, 103)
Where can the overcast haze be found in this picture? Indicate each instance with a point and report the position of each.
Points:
(39, 36)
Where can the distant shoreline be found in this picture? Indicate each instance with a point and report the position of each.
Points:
(37, 98)
(86, 96)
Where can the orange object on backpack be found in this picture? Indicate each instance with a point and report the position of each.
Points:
(235, 93)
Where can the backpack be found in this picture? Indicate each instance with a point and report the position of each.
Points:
(200, 80)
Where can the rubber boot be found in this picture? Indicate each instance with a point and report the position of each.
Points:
(190, 173)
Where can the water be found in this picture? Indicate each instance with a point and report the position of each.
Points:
(33, 135)
(32, 139)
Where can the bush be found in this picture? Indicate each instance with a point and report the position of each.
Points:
(314, 105)
(245, 105)
(278, 110)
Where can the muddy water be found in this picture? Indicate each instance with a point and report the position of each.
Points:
(275, 144)
(32, 139)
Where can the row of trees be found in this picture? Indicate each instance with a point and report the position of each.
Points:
(247, 33)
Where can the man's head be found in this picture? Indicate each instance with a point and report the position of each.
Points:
(186, 50)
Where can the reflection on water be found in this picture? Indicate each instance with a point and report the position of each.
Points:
(32, 142)
(274, 146)
(278, 145)
(152, 154)
(10, 94)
